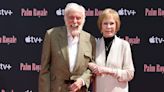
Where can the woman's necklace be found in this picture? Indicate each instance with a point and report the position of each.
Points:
(108, 43)
(108, 46)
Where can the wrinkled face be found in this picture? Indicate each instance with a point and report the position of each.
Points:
(108, 28)
(74, 22)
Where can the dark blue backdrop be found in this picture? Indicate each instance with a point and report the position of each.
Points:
(23, 24)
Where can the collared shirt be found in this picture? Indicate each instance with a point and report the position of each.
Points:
(72, 50)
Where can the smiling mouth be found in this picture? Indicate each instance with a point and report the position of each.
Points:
(74, 25)
(108, 31)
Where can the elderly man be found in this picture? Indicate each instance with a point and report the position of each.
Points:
(66, 52)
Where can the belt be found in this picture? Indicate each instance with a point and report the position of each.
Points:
(69, 81)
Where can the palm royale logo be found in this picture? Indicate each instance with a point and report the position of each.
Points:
(30, 67)
(7, 90)
(154, 68)
(34, 12)
(132, 40)
(8, 40)
(154, 12)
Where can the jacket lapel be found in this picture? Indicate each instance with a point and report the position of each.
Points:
(113, 52)
(63, 43)
(80, 52)
(100, 52)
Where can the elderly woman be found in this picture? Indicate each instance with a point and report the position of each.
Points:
(114, 65)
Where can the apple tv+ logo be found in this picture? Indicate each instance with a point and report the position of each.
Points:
(126, 12)
(60, 12)
(155, 40)
(32, 39)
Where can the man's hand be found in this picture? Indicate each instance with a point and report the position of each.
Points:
(76, 85)
(100, 70)
(95, 68)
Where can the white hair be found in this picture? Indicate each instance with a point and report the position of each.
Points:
(75, 7)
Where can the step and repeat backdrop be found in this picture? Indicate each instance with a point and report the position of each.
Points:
(23, 24)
